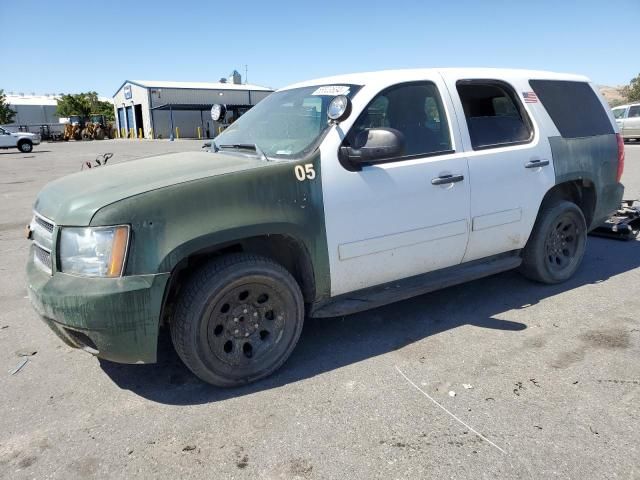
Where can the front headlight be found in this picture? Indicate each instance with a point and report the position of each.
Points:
(94, 251)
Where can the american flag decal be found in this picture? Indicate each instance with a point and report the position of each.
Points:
(530, 97)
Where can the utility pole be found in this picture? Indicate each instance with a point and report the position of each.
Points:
(246, 80)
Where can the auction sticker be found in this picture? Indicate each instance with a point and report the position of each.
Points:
(333, 90)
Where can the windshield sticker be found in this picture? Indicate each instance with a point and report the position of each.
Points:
(333, 90)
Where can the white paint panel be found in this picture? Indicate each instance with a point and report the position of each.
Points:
(379, 220)
(499, 180)
(404, 239)
(496, 219)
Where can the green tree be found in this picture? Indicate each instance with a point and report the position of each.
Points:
(84, 104)
(6, 114)
(632, 91)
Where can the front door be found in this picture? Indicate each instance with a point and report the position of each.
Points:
(6, 139)
(401, 217)
(509, 158)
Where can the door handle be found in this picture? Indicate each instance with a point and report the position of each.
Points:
(536, 164)
(447, 179)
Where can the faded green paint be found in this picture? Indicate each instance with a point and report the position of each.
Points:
(176, 205)
(74, 199)
(119, 315)
(173, 222)
(594, 159)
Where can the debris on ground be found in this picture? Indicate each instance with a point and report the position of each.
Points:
(518, 388)
(534, 381)
(3, 327)
(19, 367)
(452, 393)
(26, 352)
(467, 386)
(189, 448)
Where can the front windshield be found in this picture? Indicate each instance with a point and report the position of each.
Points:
(286, 124)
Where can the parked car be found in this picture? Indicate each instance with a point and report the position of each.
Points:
(329, 197)
(628, 120)
(23, 141)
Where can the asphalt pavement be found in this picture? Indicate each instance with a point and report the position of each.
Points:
(498, 378)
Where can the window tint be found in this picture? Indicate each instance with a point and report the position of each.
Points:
(574, 108)
(494, 116)
(634, 111)
(413, 108)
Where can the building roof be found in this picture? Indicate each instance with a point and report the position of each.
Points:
(51, 100)
(195, 85)
(48, 100)
(385, 76)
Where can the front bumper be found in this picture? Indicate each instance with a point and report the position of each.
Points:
(115, 319)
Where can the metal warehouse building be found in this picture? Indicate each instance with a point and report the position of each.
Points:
(33, 109)
(158, 109)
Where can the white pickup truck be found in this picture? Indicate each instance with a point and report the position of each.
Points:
(628, 120)
(23, 141)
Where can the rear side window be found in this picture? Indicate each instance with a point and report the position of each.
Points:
(574, 108)
(494, 115)
(634, 111)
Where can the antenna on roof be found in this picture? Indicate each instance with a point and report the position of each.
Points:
(246, 75)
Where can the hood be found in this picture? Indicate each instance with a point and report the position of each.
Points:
(74, 199)
(24, 134)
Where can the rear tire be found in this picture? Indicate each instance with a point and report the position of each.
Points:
(557, 243)
(237, 319)
(25, 146)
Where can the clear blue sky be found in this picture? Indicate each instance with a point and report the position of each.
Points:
(72, 46)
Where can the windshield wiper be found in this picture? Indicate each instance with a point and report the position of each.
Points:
(246, 146)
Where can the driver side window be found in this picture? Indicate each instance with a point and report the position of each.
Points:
(416, 110)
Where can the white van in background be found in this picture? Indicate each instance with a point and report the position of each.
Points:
(628, 119)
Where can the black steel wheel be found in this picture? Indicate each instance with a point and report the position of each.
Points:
(237, 320)
(556, 245)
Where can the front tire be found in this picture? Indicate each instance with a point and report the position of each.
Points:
(237, 319)
(25, 146)
(557, 244)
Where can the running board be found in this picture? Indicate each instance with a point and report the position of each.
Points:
(387, 293)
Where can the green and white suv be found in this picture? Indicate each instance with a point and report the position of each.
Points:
(329, 197)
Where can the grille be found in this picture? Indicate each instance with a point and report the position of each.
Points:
(44, 224)
(42, 233)
(42, 257)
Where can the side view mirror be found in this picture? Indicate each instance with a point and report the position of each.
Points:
(374, 145)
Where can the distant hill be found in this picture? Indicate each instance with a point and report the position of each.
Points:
(612, 94)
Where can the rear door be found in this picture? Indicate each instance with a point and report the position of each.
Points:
(509, 161)
(631, 126)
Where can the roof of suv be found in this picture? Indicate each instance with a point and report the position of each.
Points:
(387, 76)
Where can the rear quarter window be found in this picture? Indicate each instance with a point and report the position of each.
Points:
(574, 108)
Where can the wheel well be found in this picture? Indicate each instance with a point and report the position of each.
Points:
(286, 250)
(580, 192)
(24, 140)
